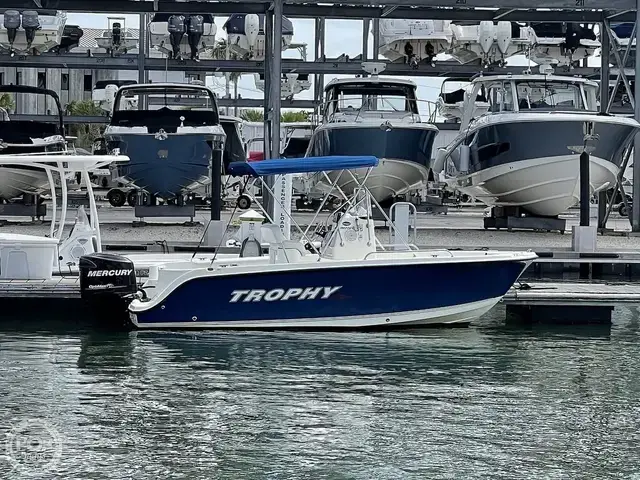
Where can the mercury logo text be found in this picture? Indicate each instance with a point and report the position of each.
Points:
(109, 273)
(258, 295)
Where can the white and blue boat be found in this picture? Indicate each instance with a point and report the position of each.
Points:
(170, 140)
(351, 281)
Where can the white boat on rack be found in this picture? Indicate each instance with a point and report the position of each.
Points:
(348, 282)
(380, 117)
(31, 31)
(524, 151)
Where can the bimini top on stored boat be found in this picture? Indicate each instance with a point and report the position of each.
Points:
(352, 281)
(170, 141)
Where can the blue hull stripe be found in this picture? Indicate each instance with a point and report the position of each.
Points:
(363, 290)
(412, 144)
(518, 141)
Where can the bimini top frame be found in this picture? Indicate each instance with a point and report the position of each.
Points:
(318, 165)
(64, 163)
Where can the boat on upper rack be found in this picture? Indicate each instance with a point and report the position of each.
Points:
(117, 39)
(291, 84)
(71, 36)
(170, 141)
(622, 34)
(491, 43)
(524, 150)
(246, 38)
(412, 41)
(380, 117)
(183, 36)
(346, 282)
(31, 31)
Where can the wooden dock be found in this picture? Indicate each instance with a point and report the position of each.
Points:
(570, 294)
(57, 288)
(568, 303)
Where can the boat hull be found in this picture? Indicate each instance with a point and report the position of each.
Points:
(540, 172)
(166, 167)
(17, 180)
(333, 297)
(48, 36)
(404, 152)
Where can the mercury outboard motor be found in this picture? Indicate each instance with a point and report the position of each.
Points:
(11, 25)
(30, 23)
(177, 28)
(116, 35)
(196, 30)
(107, 284)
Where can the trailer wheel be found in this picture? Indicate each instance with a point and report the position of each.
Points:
(132, 198)
(622, 210)
(243, 202)
(116, 197)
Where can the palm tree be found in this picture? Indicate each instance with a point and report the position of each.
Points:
(290, 117)
(6, 102)
(86, 132)
(252, 115)
(258, 116)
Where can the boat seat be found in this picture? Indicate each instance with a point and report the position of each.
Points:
(281, 250)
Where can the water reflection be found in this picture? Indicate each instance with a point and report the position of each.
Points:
(485, 402)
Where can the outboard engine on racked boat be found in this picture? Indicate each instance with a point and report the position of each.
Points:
(11, 24)
(177, 28)
(107, 284)
(30, 23)
(196, 30)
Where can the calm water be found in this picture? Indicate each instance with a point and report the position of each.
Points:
(483, 402)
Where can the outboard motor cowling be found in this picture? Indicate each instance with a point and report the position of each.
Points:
(106, 274)
(116, 34)
(107, 286)
(177, 28)
(30, 23)
(11, 24)
(196, 30)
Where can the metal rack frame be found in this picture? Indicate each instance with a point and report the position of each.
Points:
(583, 11)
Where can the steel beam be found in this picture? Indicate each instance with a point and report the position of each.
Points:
(635, 209)
(428, 13)
(150, 6)
(604, 103)
(328, 67)
(463, 10)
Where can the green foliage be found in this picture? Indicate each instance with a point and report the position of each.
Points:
(299, 116)
(6, 102)
(252, 115)
(86, 132)
(285, 117)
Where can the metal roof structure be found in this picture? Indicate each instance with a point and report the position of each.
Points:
(511, 10)
(327, 67)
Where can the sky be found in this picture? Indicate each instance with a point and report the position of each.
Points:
(341, 37)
